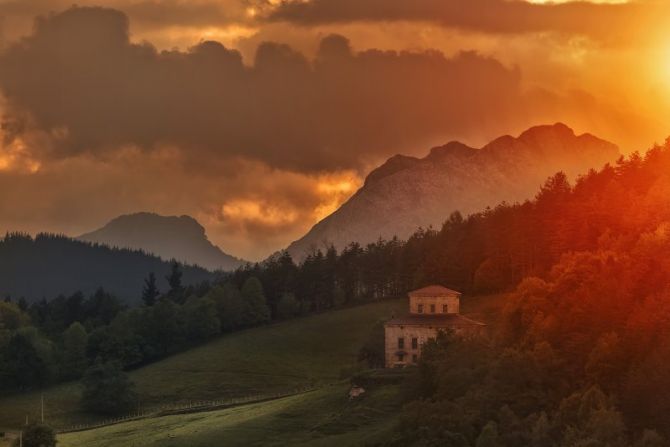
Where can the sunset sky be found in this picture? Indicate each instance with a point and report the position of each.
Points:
(120, 106)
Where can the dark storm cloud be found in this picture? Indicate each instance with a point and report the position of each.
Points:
(158, 13)
(609, 22)
(79, 78)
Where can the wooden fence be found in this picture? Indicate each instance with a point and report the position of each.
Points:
(192, 406)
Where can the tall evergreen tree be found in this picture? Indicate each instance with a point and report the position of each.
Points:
(176, 292)
(150, 290)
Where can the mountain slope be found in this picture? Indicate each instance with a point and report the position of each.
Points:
(49, 265)
(170, 237)
(406, 192)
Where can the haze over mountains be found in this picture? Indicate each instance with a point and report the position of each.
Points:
(169, 237)
(406, 193)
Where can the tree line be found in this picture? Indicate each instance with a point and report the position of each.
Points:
(96, 338)
(48, 264)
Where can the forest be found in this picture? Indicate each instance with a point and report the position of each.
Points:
(49, 264)
(580, 357)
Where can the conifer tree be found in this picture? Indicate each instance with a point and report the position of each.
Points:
(150, 291)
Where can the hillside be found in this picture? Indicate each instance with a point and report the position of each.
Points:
(276, 358)
(169, 237)
(48, 265)
(406, 192)
(313, 350)
(321, 418)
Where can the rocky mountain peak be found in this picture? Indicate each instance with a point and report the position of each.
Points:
(406, 193)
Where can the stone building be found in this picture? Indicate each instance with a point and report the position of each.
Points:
(431, 309)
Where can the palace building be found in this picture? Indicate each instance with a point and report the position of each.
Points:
(431, 309)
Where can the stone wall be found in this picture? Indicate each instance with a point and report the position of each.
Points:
(391, 349)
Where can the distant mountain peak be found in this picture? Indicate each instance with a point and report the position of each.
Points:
(406, 193)
(169, 237)
(451, 149)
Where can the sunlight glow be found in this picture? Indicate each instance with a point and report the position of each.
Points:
(256, 211)
(573, 1)
(14, 157)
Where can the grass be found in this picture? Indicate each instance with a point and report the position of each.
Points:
(306, 351)
(320, 418)
(313, 350)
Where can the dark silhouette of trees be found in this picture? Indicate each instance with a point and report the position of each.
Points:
(46, 265)
(150, 290)
(256, 310)
(23, 366)
(107, 390)
(176, 292)
(75, 340)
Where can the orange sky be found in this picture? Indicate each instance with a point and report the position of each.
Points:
(257, 156)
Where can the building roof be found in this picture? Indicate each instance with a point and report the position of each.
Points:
(433, 291)
(437, 321)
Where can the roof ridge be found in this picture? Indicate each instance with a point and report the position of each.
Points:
(433, 289)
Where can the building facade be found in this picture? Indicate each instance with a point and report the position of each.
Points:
(431, 309)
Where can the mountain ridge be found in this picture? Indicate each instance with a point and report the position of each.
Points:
(406, 193)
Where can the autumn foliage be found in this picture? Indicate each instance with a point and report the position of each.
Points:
(582, 353)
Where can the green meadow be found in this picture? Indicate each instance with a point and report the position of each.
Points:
(309, 351)
(317, 351)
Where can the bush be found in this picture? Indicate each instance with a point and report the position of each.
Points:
(108, 390)
(38, 435)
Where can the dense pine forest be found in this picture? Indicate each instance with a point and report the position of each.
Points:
(581, 356)
(50, 264)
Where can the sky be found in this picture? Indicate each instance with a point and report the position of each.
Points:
(260, 117)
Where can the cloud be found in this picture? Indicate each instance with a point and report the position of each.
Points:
(256, 151)
(607, 22)
(80, 76)
(248, 209)
(157, 13)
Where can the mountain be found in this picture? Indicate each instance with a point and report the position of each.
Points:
(49, 265)
(406, 193)
(170, 237)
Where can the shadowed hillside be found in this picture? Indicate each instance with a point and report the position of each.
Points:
(49, 265)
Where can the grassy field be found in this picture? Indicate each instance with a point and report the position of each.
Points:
(308, 351)
(320, 418)
(276, 358)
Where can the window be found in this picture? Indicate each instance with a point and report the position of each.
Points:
(445, 309)
(401, 357)
(401, 342)
(414, 358)
(432, 308)
(415, 343)
(420, 308)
